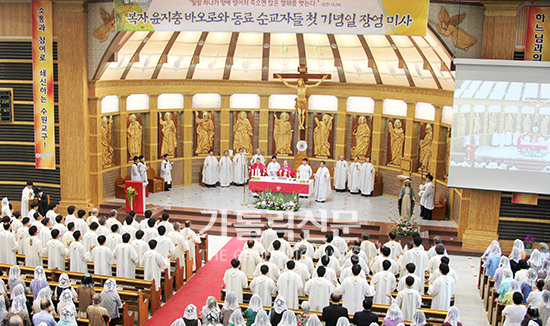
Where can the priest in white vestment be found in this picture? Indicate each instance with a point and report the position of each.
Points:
(257, 244)
(418, 257)
(304, 171)
(78, 255)
(384, 283)
(235, 280)
(153, 264)
(225, 167)
(33, 249)
(139, 246)
(8, 246)
(341, 174)
(249, 258)
(134, 171)
(289, 284)
(165, 247)
(368, 247)
(495, 140)
(102, 257)
(427, 198)
(442, 289)
(433, 263)
(89, 239)
(125, 258)
(56, 252)
(114, 238)
(26, 195)
(273, 167)
(354, 176)
(418, 284)
(409, 299)
(354, 290)
(268, 235)
(310, 250)
(22, 234)
(240, 168)
(210, 170)
(330, 273)
(273, 270)
(181, 245)
(319, 289)
(192, 238)
(367, 178)
(256, 156)
(264, 286)
(166, 172)
(322, 183)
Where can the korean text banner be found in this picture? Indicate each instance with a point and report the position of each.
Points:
(42, 65)
(391, 17)
(537, 45)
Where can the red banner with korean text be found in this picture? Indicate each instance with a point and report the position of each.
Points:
(537, 45)
(42, 65)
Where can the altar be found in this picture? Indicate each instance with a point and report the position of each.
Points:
(302, 188)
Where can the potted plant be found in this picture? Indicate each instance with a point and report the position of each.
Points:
(528, 241)
(405, 225)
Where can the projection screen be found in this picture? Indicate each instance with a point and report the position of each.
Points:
(500, 138)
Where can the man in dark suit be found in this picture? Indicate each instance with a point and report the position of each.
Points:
(365, 317)
(43, 204)
(334, 310)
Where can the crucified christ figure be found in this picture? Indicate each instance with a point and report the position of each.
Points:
(301, 101)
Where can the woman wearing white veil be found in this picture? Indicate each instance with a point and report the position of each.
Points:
(213, 319)
(190, 316)
(19, 308)
(527, 286)
(44, 294)
(544, 270)
(254, 306)
(515, 257)
(508, 296)
(315, 321)
(535, 261)
(262, 319)
(66, 300)
(178, 322)
(507, 278)
(544, 251)
(544, 306)
(65, 284)
(453, 317)
(15, 277)
(288, 319)
(488, 250)
(211, 306)
(6, 211)
(276, 313)
(67, 317)
(39, 281)
(521, 246)
(229, 306)
(342, 321)
(419, 318)
(3, 310)
(394, 316)
(504, 264)
(17, 290)
(237, 319)
(110, 299)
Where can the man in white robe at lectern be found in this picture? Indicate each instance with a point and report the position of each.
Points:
(134, 171)
(166, 172)
(225, 170)
(367, 178)
(26, 195)
(340, 174)
(210, 170)
(322, 183)
(240, 171)
(354, 176)
(273, 167)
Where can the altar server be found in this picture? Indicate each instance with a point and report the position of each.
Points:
(409, 300)
(8, 245)
(225, 170)
(304, 170)
(273, 167)
(56, 252)
(354, 176)
(26, 195)
(319, 289)
(354, 290)
(442, 289)
(384, 283)
(235, 280)
(77, 255)
(367, 178)
(322, 183)
(166, 172)
(289, 285)
(340, 174)
(32, 249)
(102, 257)
(210, 170)
(240, 175)
(264, 286)
(249, 258)
(125, 258)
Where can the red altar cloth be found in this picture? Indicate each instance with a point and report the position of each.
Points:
(278, 186)
(533, 146)
(138, 200)
(470, 151)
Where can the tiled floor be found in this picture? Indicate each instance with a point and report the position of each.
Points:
(467, 297)
(339, 205)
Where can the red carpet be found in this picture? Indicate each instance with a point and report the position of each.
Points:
(206, 282)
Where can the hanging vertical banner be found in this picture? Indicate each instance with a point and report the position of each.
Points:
(375, 17)
(537, 46)
(42, 65)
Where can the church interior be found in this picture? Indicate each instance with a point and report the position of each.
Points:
(387, 98)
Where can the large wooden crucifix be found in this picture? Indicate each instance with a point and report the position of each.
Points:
(301, 90)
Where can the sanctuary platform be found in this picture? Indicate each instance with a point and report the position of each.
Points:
(219, 211)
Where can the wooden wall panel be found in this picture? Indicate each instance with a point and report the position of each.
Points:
(15, 19)
(109, 178)
(392, 185)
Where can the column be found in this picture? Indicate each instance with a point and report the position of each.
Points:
(412, 132)
(119, 137)
(151, 137)
(71, 23)
(439, 143)
(499, 29)
(341, 128)
(96, 150)
(378, 129)
(225, 114)
(187, 129)
(263, 141)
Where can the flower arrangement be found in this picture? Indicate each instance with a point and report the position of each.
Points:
(405, 225)
(528, 241)
(276, 202)
(131, 192)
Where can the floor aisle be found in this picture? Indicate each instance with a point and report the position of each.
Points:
(207, 281)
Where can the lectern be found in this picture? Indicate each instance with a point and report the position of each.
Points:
(138, 202)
